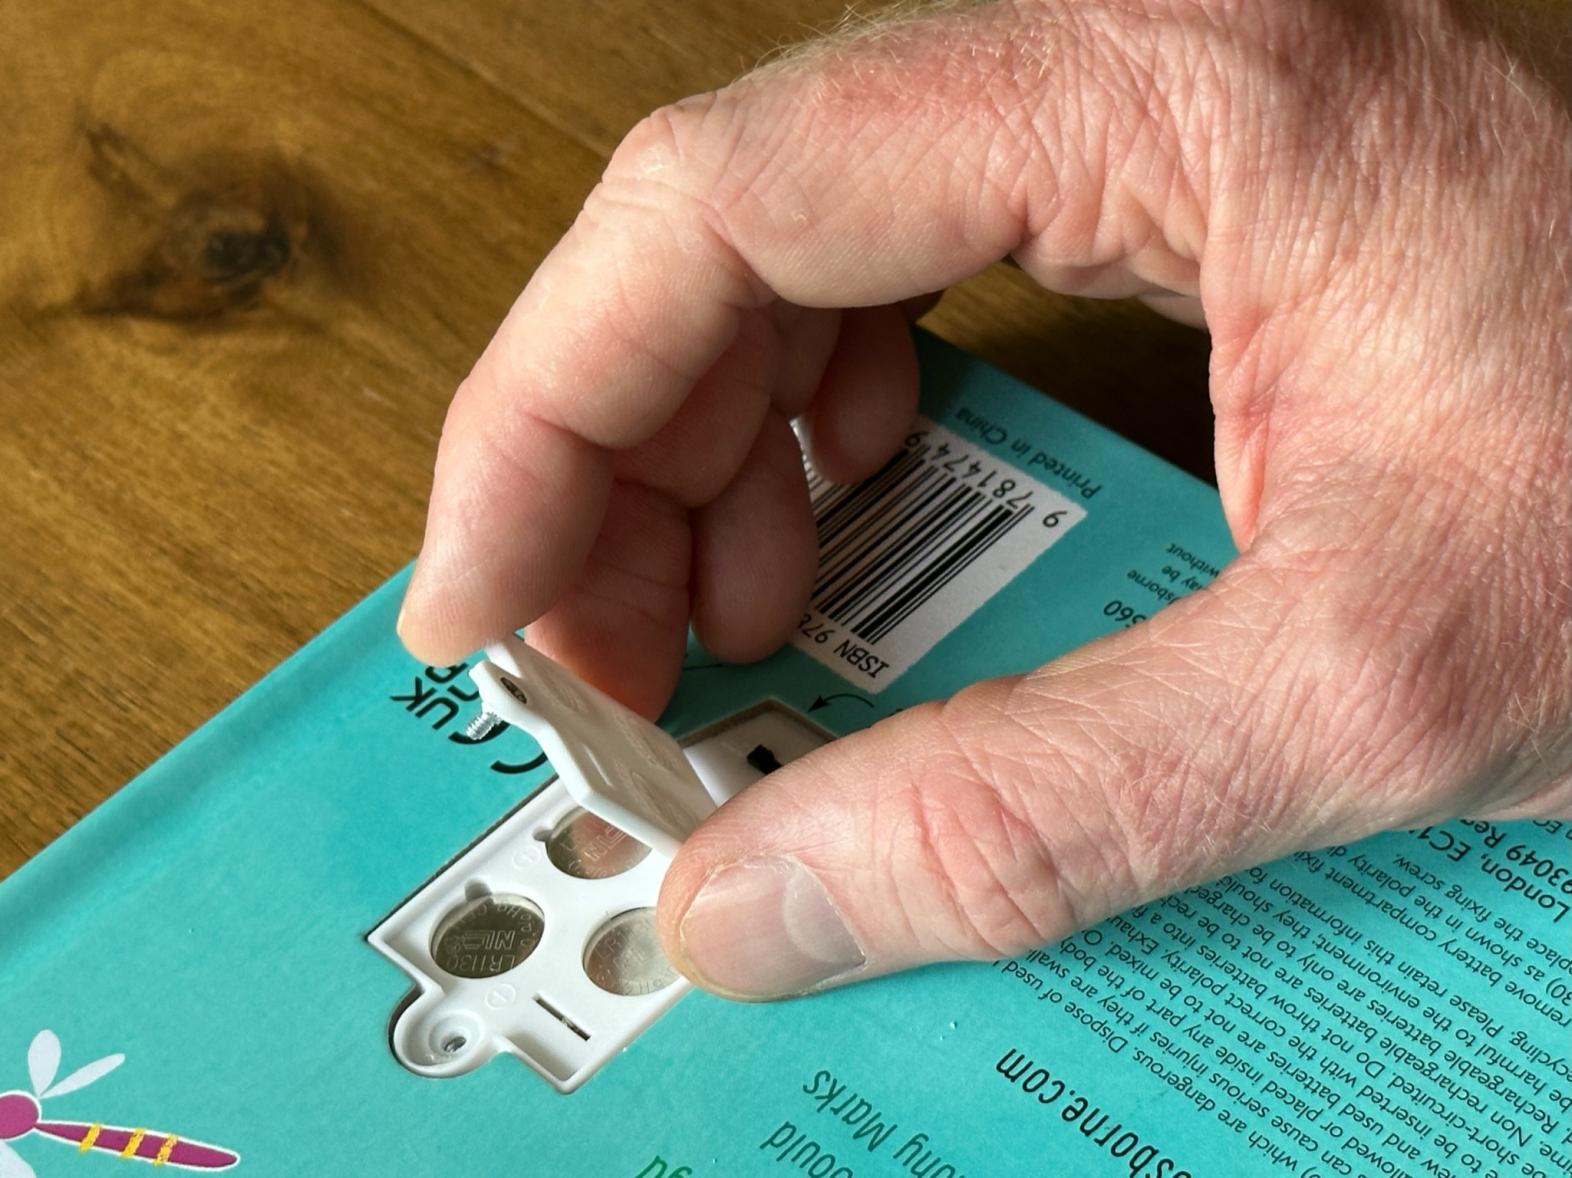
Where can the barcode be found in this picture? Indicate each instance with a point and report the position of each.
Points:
(909, 554)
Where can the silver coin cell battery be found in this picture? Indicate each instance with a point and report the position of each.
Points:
(624, 956)
(588, 847)
(486, 936)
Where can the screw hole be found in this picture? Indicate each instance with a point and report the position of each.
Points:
(453, 1044)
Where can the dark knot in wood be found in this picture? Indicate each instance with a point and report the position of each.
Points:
(211, 258)
(194, 240)
(231, 256)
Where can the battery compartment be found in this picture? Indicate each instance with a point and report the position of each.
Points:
(538, 941)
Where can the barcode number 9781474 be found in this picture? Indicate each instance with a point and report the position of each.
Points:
(967, 465)
(908, 554)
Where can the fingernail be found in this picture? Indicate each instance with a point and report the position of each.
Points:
(414, 589)
(410, 589)
(766, 928)
(404, 624)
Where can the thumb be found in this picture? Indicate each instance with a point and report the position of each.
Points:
(1026, 808)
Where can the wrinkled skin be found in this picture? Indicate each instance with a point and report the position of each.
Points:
(1371, 204)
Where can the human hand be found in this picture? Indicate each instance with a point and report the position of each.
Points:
(1371, 203)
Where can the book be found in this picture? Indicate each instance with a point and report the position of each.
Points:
(194, 974)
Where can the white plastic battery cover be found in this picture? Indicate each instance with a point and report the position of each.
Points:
(614, 762)
(625, 770)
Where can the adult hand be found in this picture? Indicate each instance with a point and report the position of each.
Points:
(1370, 202)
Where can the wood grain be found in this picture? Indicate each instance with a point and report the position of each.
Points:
(249, 249)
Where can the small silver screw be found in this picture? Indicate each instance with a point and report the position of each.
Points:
(483, 725)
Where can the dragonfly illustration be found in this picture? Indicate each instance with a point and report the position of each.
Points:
(21, 1113)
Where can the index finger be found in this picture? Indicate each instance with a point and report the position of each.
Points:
(836, 182)
(596, 355)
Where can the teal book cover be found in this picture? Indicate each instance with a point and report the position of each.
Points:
(212, 970)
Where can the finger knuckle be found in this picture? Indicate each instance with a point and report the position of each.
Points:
(1386, 679)
(1140, 765)
(668, 141)
(978, 873)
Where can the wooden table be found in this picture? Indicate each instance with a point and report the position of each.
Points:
(248, 250)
